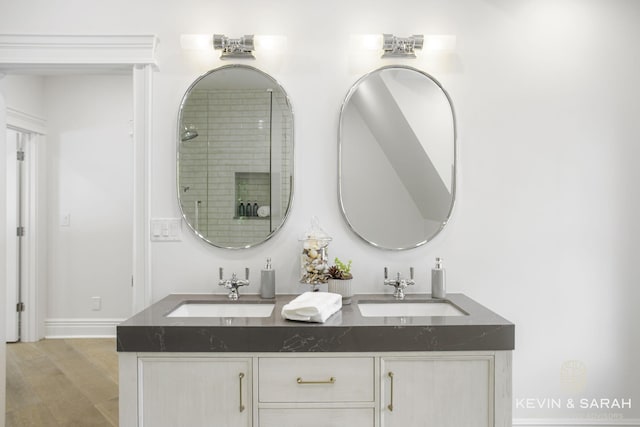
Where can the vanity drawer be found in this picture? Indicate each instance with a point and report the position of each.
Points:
(330, 417)
(316, 379)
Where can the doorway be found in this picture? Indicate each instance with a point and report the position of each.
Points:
(135, 53)
(24, 205)
(77, 193)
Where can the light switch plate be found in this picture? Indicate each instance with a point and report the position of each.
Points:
(166, 230)
(65, 220)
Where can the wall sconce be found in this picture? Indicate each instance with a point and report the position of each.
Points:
(234, 48)
(401, 47)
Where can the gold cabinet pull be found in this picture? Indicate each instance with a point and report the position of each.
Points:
(331, 380)
(390, 405)
(241, 376)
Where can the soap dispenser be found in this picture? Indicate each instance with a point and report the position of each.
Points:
(438, 281)
(268, 281)
(241, 210)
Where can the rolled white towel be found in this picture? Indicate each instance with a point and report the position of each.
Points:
(312, 307)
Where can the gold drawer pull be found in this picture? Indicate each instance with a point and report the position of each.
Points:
(390, 405)
(241, 376)
(331, 380)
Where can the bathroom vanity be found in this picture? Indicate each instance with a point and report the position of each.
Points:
(198, 368)
(203, 360)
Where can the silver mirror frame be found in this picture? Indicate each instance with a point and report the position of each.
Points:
(178, 138)
(455, 158)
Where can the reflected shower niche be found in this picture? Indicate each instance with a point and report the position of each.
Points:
(252, 195)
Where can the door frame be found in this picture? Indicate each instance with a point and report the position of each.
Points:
(14, 203)
(135, 53)
(31, 292)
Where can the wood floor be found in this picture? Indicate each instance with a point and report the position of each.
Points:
(70, 382)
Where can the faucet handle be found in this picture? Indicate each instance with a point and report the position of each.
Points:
(238, 282)
(411, 281)
(222, 282)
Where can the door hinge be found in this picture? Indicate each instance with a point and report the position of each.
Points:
(20, 231)
(20, 156)
(20, 307)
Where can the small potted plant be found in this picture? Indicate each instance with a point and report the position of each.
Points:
(340, 278)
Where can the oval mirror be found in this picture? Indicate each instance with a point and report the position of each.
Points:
(397, 158)
(235, 156)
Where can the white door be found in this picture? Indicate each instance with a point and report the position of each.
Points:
(13, 204)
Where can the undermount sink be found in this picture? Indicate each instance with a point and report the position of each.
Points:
(222, 309)
(426, 308)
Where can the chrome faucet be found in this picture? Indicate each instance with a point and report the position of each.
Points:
(234, 283)
(398, 283)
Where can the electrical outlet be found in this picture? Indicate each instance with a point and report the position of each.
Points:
(96, 303)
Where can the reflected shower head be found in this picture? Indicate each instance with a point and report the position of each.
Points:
(189, 132)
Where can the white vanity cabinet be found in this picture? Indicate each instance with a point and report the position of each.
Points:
(194, 391)
(443, 391)
(457, 389)
(441, 371)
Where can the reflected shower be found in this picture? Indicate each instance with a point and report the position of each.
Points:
(189, 132)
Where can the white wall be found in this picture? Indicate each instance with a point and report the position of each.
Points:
(545, 229)
(90, 179)
(24, 93)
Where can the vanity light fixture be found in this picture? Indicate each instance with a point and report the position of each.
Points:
(242, 47)
(401, 47)
(234, 48)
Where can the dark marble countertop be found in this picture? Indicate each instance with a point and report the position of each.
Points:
(345, 331)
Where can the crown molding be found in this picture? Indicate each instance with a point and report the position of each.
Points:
(16, 50)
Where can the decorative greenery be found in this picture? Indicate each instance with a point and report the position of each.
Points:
(340, 270)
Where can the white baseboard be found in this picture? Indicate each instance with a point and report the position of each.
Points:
(81, 328)
(583, 422)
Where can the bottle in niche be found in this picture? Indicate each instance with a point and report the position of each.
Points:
(268, 281)
(255, 208)
(248, 210)
(438, 281)
(241, 210)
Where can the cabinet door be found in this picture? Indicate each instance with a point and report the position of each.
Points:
(194, 392)
(438, 392)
